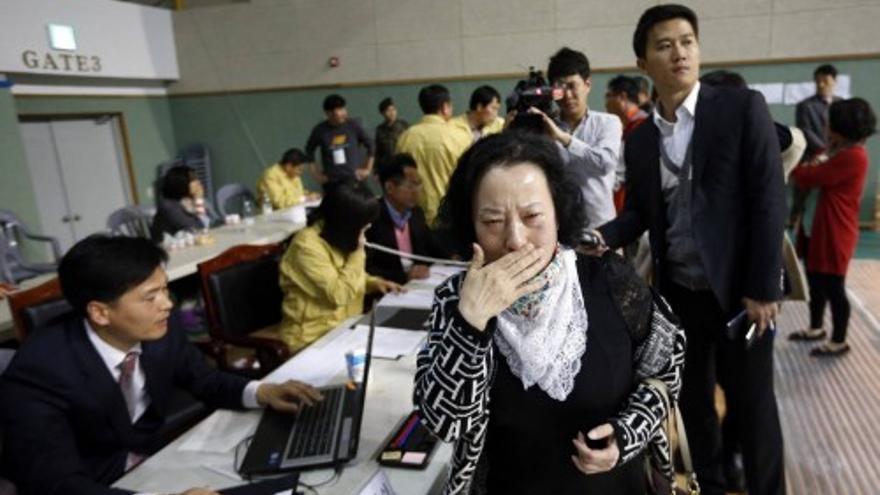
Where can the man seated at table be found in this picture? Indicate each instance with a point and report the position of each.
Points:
(282, 182)
(83, 400)
(401, 224)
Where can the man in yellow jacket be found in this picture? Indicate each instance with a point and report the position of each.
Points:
(482, 117)
(436, 146)
(281, 182)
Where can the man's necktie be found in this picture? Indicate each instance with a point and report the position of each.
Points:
(126, 382)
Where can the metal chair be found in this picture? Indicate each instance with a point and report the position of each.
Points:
(13, 266)
(231, 197)
(129, 221)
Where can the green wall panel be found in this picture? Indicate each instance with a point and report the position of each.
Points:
(280, 119)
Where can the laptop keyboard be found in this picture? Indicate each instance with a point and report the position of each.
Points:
(313, 430)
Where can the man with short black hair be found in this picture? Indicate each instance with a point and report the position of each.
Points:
(704, 177)
(388, 132)
(589, 140)
(282, 184)
(811, 114)
(622, 100)
(85, 397)
(346, 150)
(401, 224)
(435, 145)
(482, 118)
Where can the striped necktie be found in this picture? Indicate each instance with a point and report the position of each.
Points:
(126, 382)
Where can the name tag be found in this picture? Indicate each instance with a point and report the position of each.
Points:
(339, 156)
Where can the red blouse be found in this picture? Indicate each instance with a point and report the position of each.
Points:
(835, 232)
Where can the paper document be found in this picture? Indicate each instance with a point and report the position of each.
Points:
(219, 433)
(413, 298)
(392, 343)
(323, 361)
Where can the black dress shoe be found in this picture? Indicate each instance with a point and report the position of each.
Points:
(734, 474)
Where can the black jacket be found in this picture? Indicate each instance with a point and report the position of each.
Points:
(388, 266)
(738, 197)
(66, 428)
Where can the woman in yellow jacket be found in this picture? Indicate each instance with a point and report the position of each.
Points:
(323, 274)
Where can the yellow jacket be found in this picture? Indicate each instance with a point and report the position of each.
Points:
(462, 123)
(436, 146)
(321, 285)
(282, 191)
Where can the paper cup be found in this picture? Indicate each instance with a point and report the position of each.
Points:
(355, 361)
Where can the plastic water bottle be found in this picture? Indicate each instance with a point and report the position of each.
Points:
(266, 207)
(247, 212)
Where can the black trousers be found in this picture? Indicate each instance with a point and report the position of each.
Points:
(825, 288)
(748, 376)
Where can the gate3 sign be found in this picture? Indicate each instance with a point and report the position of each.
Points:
(61, 62)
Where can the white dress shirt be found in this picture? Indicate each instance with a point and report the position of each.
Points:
(675, 137)
(113, 358)
(593, 155)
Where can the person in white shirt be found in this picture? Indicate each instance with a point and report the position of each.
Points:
(85, 398)
(589, 140)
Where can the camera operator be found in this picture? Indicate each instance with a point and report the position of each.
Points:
(590, 140)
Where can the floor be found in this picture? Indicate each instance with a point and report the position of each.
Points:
(830, 408)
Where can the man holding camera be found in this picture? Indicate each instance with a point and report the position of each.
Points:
(590, 140)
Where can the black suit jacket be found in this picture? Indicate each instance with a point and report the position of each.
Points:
(66, 429)
(738, 199)
(388, 266)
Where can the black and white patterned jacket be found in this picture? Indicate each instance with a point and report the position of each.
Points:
(455, 371)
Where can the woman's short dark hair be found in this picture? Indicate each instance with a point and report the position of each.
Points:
(724, 79)
(293, 156)
(655, 15)
(567, 62)
(456, 215)
(432, 98)
(103, 268)
(853, 119)
(175, 184)
(332, 102)
(348, 206)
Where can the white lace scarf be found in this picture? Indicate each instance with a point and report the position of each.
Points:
(546, 348)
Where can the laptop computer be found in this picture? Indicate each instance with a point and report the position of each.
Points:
(326, 434)
(399, 317)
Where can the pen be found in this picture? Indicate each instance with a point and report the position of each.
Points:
(401, 439)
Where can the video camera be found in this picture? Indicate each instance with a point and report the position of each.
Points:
(533, 92)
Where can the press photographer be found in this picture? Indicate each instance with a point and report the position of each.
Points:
(589, 140)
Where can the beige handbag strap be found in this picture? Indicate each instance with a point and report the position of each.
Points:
(674, 422)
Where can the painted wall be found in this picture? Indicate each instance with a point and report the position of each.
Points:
(16, 192)
(285, 43)
(113, 39)
(278, 120)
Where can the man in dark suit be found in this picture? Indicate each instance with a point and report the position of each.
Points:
(401, 224)
(82, 401)
(811, 116)
(705, 180)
